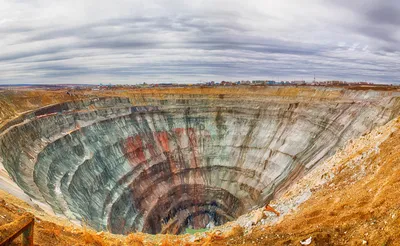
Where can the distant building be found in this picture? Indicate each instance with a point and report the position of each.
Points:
(258, 82)
(226, 83)
(298, 82)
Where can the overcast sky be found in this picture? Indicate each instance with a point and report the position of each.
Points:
(79, 41)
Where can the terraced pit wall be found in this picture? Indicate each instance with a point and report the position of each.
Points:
(161, 163)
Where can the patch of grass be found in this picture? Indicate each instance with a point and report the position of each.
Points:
(193, 231)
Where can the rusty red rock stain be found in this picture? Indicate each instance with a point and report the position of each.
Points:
(133, 147)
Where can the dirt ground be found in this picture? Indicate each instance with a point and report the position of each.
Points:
(49, 230)
(15, 102)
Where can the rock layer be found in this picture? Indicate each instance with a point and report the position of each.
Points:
(181, 161)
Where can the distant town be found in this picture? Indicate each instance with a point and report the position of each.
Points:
(102, 86)
(243, 83)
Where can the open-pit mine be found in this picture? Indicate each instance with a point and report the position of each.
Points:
(169, 160)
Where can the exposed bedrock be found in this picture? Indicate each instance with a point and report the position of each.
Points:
(184, 161)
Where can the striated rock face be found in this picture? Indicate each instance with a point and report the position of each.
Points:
(157, 165)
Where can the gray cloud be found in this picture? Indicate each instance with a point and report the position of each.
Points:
(214, 40)
(385, 13)
(377, 20)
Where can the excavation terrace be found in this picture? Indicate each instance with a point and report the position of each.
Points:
(162, 161)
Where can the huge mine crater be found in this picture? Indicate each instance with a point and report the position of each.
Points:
(163, 164)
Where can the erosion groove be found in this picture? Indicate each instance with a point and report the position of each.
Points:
(181, 161)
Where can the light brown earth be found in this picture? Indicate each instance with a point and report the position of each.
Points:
(15, 102)
(359, 206)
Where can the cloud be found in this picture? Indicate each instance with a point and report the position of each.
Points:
(376, 20)
(135, 41)
(385, 13)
